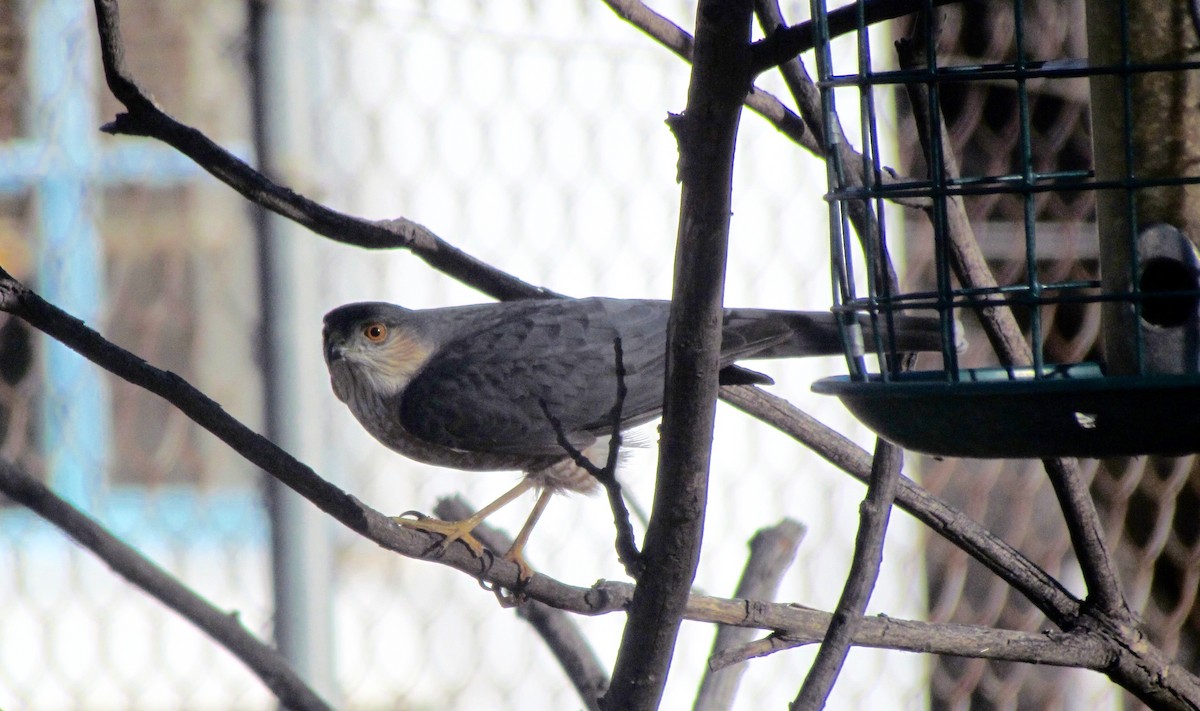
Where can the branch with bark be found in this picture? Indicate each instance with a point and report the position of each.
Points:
(794, 624)
(706, 133)
(223, 627)
(772, 551)
(847, 617)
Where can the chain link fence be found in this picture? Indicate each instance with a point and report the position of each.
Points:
(532, 136)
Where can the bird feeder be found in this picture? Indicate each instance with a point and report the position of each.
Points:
(1142, 395)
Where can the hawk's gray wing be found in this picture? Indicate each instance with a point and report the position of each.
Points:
(505, 373)
(501, 388)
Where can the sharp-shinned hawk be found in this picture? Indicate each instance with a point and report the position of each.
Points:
(494, 386)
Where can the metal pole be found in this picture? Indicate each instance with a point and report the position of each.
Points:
(285, 42)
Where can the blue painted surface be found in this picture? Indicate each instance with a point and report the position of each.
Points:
(62, 164)
(126, 161)
(70, 256)
(152, 520)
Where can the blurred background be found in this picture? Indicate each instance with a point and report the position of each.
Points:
(532, 136)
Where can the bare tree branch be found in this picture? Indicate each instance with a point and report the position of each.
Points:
(1065, 649)
(144, 118)
(772, 551)
(1079, 510)
(797, 625)
(224, 627)
(1046, 593)
(806, 626)
(784, 43)
(874, 513)
(1087, 537)
(627, 550)
(706, 133)
(966, 258)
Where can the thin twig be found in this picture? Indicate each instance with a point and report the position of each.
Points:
(626, 545)
(627, 551)
(1087, 536)
(966, 259)
(772, 551)
(804, 625)
(874, 513)
(1063, 649)
(263, 660)
(784, 43)
(555, 627)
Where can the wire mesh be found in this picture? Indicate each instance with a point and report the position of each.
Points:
(531, 135)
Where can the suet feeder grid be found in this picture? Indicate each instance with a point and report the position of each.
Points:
(1144, 398)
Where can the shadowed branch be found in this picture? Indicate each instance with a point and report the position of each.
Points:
(224, 627)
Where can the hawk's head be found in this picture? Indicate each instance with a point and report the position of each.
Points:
(370, 350)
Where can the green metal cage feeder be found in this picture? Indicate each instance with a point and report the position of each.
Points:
(1143, 397)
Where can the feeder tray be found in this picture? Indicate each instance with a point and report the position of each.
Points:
(1067, 411)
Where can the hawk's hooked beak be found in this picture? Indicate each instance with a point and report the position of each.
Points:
(335, 360)
(334, 348)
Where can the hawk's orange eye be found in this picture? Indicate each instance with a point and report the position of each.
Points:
(375, 332)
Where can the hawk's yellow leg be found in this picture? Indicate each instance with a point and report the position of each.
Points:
(516, 552)
(461, 530)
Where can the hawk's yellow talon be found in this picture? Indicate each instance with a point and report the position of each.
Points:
(524, 570)
(451, 530)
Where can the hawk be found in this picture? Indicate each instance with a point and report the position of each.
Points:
(499, 386)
